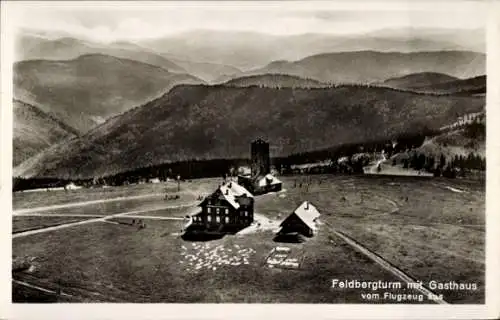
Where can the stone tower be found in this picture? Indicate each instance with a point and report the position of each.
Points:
(260, 162)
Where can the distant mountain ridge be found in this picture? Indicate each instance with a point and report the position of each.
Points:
(35, 130)
(251, 50)
(219, 56)
(438, 84)
(366, 67)
(68, 48)
(84, 91)
(209, 72)
(208, 122)
(417, 80)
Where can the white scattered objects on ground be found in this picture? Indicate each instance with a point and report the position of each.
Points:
(282, 257)
(208, 256)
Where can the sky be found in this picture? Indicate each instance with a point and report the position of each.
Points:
(115, 21)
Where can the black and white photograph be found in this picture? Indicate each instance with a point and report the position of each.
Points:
(248, 152)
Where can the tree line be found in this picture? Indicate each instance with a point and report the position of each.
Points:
(347, 158)
(457, 166)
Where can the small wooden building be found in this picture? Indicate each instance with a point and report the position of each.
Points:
(301, 221)
(230, 207)
(261, 184)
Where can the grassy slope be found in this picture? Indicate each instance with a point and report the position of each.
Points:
(87, 90)
(35, 131)
(218, 121)
(436, 234)
(149, 266)
(20, 224)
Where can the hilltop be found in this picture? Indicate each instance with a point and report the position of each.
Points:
(438, 84)
(85, 91)
(475, 85)
(418, 80)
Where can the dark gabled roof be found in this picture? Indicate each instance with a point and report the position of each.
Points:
(231, 190)
(259, 140)
(261, 180)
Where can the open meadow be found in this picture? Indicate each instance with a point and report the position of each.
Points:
(83, 250)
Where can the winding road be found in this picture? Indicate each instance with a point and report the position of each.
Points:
(83, 203)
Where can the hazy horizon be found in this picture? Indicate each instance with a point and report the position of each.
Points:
(131, 22)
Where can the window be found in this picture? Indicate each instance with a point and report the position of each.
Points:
(209, 218)
(217, 210)
(209, 209)
(227, 211)
(217, 219)
(246, 213)
(227, 219)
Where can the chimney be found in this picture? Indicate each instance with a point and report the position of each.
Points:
(230, 184)
(307, 205)
(227, 192)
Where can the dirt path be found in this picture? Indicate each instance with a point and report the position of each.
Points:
(450, 188)
(83, 203)
(155, 217)
(32, 286)
(59, 215)
(72, 224)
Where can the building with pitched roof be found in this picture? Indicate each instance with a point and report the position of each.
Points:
(229, 207)
(301, 221)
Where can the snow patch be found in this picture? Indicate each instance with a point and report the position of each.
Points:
(455, 189)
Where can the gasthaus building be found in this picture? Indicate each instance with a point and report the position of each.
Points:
(230, 207)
